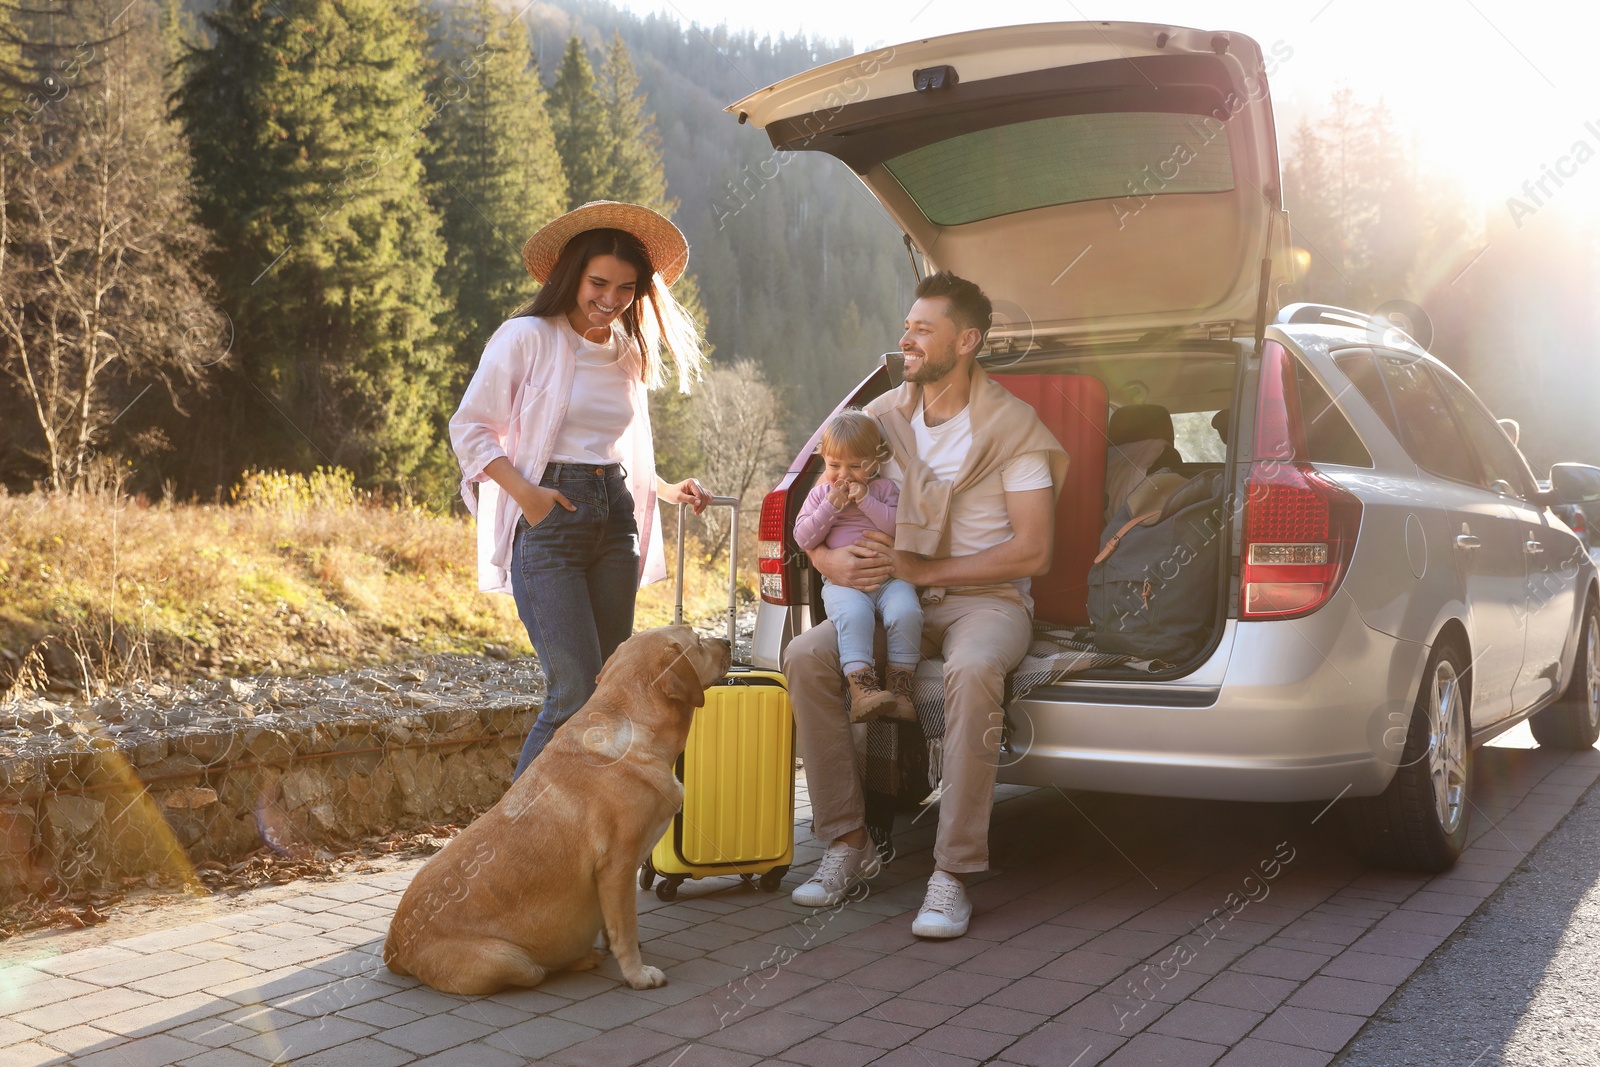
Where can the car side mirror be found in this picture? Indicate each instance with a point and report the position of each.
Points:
(895, 364)
(1574, 483)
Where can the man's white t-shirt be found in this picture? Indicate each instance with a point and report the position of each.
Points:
(978, 517)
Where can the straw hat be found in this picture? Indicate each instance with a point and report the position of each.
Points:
(663, 242)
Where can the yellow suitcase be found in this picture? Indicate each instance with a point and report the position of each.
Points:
(737, 771)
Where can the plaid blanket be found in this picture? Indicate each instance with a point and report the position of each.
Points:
(891, 750)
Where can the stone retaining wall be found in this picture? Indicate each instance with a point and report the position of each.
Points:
(156, 780)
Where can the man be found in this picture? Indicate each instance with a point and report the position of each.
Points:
(979, 475)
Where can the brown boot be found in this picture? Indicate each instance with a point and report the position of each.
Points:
(868, 700)
(900, 679)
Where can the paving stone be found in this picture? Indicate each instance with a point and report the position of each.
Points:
(1328, 993)
(895, 974)
(213, 1032)
(223, 1057)
(76, 1040)
(1253, 1052)
(362, 1052)
(1007, 961)
(912, 1056)
(1090, 968)
(1252, 992)
(1281, 963)
(473, 1054)
(303, 1038)
(434, 1034)
(766, 1032)
(1159, 1050)
(335, 996)
(875, 1031)
(1310, 1028)
(538, 1038)
(1216, 1024)
(1046, 996)
(998, 1020)
(85, 1008)
(614, 1008)
(980, 1045)
(12, 1033)
(621, 1047)
(86, 959)
(1113, 1014)
(158, 1050)
(190, 979)
(826, 1052)
(174, 938)
(703, 1056)
(1058, 1045)
(270, 985)
(1369, 966)
(831, 961)
(163, 1015)
(956, 987)
(922, 1014)
(35, 990)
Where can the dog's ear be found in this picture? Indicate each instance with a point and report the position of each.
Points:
(679, 678)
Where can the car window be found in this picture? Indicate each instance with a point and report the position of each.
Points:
(1504, 465)
(1329, 436)
(1428, 430)
(1359, 366)
(1196, 438)
(1061, 160)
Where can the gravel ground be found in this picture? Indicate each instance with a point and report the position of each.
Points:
(1516, 985)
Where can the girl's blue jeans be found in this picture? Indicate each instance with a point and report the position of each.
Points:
(855, 613)
(574, 576)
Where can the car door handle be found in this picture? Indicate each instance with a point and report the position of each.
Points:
(1532, 548)
(1467, 541)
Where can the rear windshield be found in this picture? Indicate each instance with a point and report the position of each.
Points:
(1063, 160)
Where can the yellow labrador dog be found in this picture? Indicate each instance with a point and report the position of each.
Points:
(523, 891)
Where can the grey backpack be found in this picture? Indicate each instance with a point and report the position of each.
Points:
(1153, 589)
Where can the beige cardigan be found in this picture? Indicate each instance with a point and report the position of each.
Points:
(1003, 427)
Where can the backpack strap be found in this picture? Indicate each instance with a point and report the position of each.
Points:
(1116, 538)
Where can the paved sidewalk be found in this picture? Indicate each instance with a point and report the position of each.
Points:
(1113, 930)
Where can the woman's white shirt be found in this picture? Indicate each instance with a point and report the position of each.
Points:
(515, 406)
(600, 390)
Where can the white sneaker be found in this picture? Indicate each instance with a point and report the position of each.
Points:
(841, 867)
(945, 910)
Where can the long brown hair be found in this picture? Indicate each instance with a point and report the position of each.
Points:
(667, 326)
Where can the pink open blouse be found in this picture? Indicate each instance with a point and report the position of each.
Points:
(514, 407)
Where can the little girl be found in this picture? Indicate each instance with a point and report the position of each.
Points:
(849, 499)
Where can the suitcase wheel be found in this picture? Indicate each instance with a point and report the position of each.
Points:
(748, 879)
(668, 889)
(773, 879)
(647, 875)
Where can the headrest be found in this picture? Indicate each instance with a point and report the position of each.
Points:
(1219, 422)
(1140, 422)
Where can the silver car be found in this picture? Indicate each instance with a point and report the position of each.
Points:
(1389, 586)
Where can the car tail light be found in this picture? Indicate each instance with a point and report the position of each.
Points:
(770, 547)
(1299, 526)
(1580, 523)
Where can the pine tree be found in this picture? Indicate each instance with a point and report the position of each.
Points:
(307, 119)
(633, 145)
(493, 172)
(578, 114)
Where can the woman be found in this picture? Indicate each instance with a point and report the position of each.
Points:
(555, 422)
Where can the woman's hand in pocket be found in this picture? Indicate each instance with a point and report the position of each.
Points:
(537, 502)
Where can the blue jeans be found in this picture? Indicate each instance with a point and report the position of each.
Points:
(574, 576)
(854, 614)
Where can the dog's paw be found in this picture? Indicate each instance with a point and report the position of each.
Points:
(594, 959)
(648, 978)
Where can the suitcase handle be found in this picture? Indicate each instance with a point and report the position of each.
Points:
(731, 502)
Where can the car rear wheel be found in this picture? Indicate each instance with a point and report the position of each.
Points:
(1574, 720)
(1420, 822)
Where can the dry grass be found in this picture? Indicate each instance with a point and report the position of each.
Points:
(294, 577)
